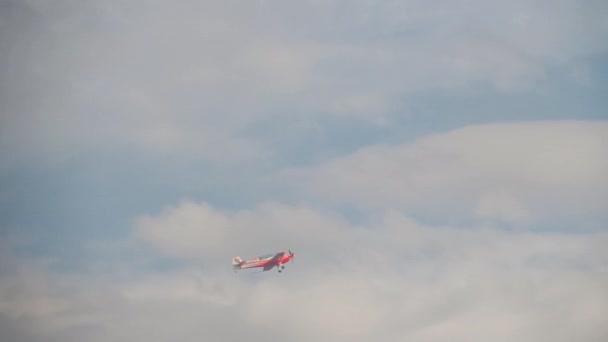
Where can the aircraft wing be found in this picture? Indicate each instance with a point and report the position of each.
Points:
(274, 261)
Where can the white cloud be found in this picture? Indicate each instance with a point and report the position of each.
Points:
(506, 171)
(201, 233)
(502, 207)
(392, 279)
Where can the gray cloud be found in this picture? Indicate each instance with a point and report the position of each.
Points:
(189, 77)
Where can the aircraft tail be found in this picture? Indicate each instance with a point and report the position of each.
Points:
(236, 261)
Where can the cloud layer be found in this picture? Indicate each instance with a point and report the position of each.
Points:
(507, 172)
(176, 79)
(393, 278)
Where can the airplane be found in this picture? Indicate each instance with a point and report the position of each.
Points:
(267, 262)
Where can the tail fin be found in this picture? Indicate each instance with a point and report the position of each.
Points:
(236, 261)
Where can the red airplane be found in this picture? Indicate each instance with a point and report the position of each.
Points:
(267, 262)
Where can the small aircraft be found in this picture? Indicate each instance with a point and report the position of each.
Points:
(267, 262)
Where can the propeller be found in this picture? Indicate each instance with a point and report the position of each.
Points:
(292, 255)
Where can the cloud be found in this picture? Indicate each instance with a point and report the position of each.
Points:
(201, 233)
(510, 172)
(397, 277)
(502, 207)
(394, 278)
(175, 79)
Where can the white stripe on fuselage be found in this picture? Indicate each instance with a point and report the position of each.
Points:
(249, 264)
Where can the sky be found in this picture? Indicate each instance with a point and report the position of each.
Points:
(438, 168)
